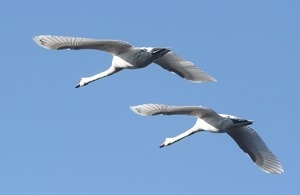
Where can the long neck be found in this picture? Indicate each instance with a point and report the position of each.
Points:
(187, 133)
(100, 75)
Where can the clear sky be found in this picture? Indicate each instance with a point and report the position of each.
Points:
(58, 140)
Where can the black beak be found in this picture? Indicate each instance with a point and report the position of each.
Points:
(162, 145)
(242, 122)
(160, 51)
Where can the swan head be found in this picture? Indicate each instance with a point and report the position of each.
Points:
(159, 52)
(83, 81)
(237, 121)
(167, 142)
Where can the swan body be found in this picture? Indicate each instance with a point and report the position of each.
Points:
(125, 56)
(208, 120)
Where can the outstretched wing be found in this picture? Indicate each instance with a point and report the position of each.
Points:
(60, 42)
(155, 109)
(183, 68)
(251, 143)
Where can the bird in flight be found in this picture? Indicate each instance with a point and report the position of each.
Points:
(208, 120)
(126, 56)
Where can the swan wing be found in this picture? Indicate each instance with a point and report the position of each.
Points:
(251, 143)
(156, 109)
(60, 42)
(183, 68)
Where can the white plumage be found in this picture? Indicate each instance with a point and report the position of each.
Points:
(208, 120)
(126, 56)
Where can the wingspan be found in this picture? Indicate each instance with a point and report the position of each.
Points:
(61, 42)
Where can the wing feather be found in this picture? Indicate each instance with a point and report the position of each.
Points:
(61, 42)
(251, 143)
(183, 68)
(156, 109)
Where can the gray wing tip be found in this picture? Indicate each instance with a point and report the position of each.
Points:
(202, 81)
(276, 169)
(137, 110)
(41, 40)
(36, 39)
(270, 164)
(280, 171)
(203, 78)
(211, 79)
(146, 109)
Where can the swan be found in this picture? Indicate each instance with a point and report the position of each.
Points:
(126, 56)
(208, 120)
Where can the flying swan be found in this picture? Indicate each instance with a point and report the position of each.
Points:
(125, 56)
(208, 120)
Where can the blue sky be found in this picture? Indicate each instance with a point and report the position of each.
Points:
(56, 139)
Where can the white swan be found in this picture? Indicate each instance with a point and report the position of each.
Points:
(125, 56)
(208, 120)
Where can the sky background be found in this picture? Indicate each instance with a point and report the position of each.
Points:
(56, 139)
